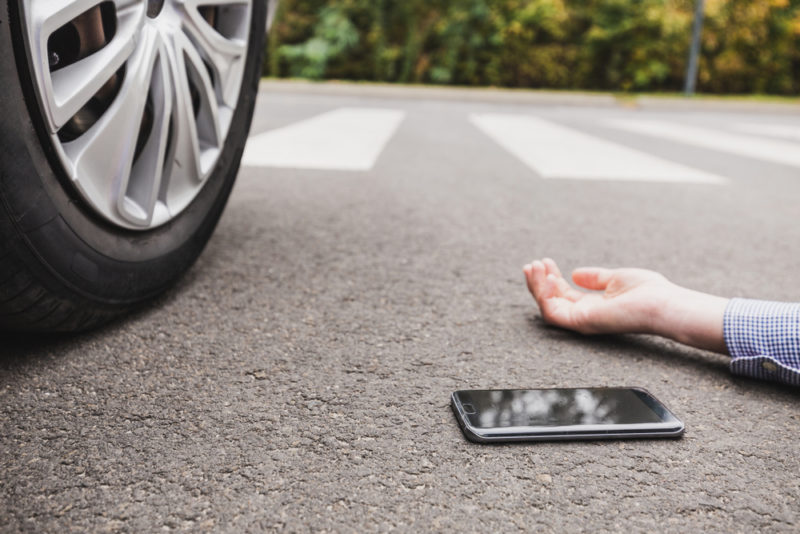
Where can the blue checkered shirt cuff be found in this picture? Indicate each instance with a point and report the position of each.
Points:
(763, 339)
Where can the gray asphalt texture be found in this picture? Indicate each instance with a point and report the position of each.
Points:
(298, 378)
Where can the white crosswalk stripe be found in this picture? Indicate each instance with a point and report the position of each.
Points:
(772, 150)
(348, 139)
(555, 151)
(771, 130)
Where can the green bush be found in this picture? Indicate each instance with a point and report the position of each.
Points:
(620, 45)
(333, 36)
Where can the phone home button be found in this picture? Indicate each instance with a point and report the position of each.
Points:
(468, 408)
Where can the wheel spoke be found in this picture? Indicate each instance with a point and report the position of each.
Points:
(141, 194)
(76, 84)
(46, 16)
(225, 55)
(196, 134)
(102, 158)
(73, 86)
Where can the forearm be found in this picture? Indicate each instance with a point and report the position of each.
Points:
(692, 318)
(762, 337)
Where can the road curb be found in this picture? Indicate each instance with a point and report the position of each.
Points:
(742, 106)
(428, 92)
(519, 96)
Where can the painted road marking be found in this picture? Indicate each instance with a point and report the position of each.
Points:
(348, 139)
(741, 145)
(555, 151)
(771, 130)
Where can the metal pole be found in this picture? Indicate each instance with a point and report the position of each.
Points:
(694, 50)
(272, 10)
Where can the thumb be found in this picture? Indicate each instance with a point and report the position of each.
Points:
(595, 278)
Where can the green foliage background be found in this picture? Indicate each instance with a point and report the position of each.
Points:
(748, 46)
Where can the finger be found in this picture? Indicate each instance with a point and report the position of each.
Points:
(557, 312)
(565, 290)
(528, 271)
(552, 267)
(558, 287)
(535, 277)
(595, 278)
(561, 288)
(555, 309)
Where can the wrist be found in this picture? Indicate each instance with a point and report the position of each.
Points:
(662, 310)
(692, 318)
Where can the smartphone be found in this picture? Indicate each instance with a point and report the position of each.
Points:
(499, 415)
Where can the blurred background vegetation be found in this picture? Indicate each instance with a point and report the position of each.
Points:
(748, 46)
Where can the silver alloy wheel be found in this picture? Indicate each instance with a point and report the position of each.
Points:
(138, 96)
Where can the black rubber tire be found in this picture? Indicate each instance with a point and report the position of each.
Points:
(62, 268)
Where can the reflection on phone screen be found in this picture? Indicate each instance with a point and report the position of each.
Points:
(556, 407)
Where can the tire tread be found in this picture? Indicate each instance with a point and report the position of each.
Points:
(29, 306)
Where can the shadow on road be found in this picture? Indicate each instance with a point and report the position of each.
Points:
(642, 347)
(22, 349)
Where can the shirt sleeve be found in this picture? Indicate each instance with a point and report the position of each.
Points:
(763, 339)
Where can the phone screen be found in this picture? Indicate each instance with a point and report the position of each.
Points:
(555, 407)
(487, 412)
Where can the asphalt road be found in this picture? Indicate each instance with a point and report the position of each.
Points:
(298, 378)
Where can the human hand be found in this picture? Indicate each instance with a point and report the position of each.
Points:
(632, 301)
(628, 302)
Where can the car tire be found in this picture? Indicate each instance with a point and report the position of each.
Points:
(69, 261)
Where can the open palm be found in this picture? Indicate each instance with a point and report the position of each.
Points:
(627, 303)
